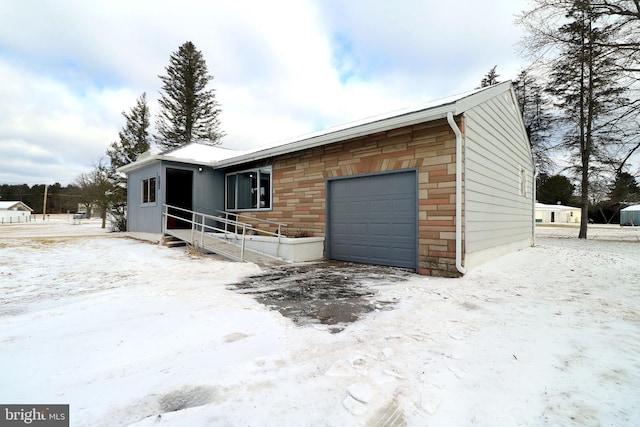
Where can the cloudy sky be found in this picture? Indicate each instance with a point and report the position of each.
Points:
(68, 69)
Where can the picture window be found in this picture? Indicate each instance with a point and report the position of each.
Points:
(249, 189)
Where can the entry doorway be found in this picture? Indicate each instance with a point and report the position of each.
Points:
(179, 193)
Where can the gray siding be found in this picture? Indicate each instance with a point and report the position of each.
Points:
(208, 187)
(144, 218)
(207, 194)
(496, 148)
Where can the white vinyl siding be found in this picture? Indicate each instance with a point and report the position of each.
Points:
(498, 176)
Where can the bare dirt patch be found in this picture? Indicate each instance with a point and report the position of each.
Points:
(328, 293)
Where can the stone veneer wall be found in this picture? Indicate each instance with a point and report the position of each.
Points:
(299, 185)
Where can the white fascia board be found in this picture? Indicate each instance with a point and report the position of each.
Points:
(329, 137)
(160, 157)
(138, 164)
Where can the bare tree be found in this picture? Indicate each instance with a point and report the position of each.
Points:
(587, 81)
(96, 190)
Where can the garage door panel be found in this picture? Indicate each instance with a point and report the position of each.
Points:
(380, 229)
(373, 219)
(404, 205)
(403, 230)
(381, 205)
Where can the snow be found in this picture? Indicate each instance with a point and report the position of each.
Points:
(203, 153)
(133, 333)
(543, 207)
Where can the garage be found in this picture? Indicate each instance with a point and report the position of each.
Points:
(373, 219)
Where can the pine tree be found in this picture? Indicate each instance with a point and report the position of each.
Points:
(134, 140)
(188, 111)
(491, 78)
(534, 106)
(134, 136)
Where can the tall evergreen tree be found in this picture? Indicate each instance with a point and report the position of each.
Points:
(491, 78)
(555, 189)
(134, 140)
(534, 106)
(584, 80)
(188, 111)
(134, 136)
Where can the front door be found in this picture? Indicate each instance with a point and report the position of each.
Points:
(180, 194)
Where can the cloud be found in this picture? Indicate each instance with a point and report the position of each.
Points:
(282, 68)
(48, 131)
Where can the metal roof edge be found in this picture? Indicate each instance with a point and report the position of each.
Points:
(455, 106)
(313, 141)
(138, 163)
(382, 123)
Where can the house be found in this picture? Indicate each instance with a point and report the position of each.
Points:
(438, 188)
(548, 214)
(14, 212)
(630, 215)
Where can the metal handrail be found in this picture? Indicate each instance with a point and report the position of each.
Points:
(198, 223)
(259, 230)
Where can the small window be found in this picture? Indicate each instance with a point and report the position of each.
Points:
(523, 182)
(249, 190)
(148, 190)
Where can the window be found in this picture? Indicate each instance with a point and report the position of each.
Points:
(149, 190)
(250, 189)
(523, 182)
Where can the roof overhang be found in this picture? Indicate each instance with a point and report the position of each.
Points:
(432, 111)
(456, 105)
(340, 134)
(14, 205)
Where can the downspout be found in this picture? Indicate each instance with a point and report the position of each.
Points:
(533, 203)
(456, 131)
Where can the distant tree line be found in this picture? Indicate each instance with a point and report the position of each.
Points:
(59, 199)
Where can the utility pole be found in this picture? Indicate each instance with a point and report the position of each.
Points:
(44, 204)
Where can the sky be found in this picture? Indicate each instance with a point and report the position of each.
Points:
(281, 69)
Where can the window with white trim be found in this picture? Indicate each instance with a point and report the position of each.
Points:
(249, 189)
(149, 190)
(523, 182)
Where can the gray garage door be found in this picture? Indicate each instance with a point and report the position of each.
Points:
(373, 219)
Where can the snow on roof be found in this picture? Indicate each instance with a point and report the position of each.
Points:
(543, 207)
(201, 153)
(632, 208)
(193, 153)
(6, 205)
(433, 110)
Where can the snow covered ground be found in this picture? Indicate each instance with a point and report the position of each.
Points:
(133, 333)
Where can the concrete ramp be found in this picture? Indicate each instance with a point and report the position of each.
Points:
(220, 246)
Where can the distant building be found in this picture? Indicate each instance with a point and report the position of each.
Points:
(14, 212)
(548, 214)
(630, 215)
